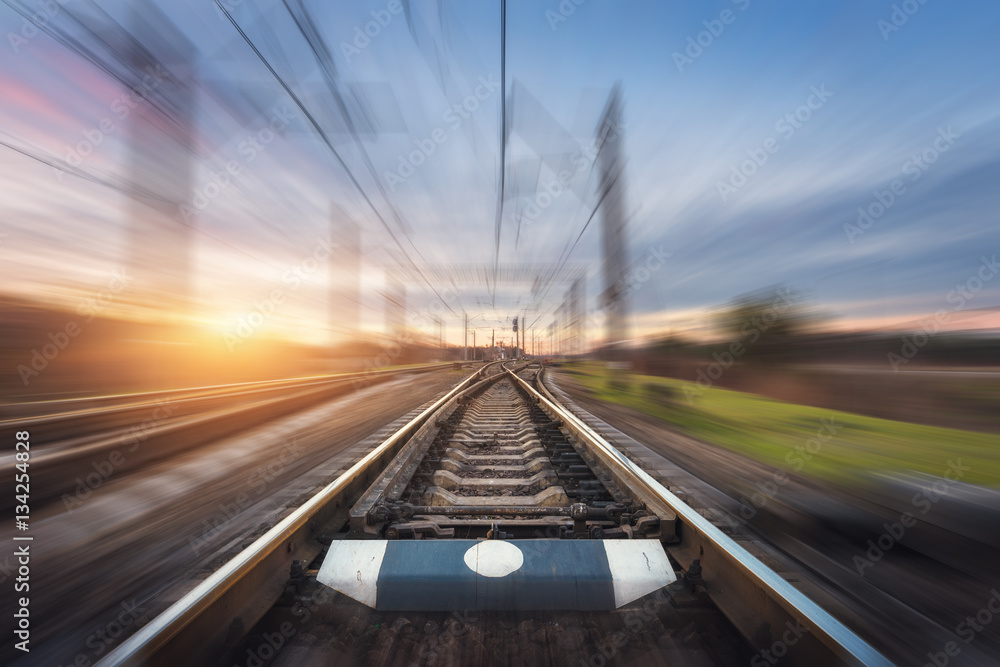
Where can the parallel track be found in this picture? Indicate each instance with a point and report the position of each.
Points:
(418, 483)
(79, 438)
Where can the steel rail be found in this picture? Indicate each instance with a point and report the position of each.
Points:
(133, 435)
(64, 408)
(200, 618)
(845, 645)
(204, 615)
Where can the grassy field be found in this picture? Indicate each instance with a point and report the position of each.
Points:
(779, 433)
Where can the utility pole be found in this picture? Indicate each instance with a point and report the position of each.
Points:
(493, 345)
(515, 336)
(465, 355)
(524, 336)
(610, 164)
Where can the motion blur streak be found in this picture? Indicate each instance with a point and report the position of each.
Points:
(760, 234)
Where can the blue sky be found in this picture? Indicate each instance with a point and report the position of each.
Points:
(889, 95)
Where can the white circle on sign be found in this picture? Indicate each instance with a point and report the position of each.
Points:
(492, 558)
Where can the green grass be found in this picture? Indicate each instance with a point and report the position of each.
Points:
(769, 430)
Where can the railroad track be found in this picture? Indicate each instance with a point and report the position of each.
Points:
(495, 500)
(80, 442)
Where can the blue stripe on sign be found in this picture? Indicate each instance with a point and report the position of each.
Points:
(425, 575)
(556, 574)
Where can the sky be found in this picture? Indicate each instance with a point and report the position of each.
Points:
(754, 136)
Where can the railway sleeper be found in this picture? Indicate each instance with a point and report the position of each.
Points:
(493, 505)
